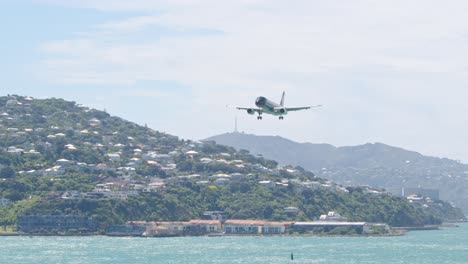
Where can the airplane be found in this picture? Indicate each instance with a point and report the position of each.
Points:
(269, 107)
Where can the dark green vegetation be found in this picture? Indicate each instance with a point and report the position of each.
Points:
(49, 147)
(376, 164)
(246, 200)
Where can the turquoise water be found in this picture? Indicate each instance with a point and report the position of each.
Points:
(445, 246)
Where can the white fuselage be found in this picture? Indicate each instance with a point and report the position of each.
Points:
(270, 107)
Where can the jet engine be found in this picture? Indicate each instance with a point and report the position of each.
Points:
(250, 111)
(283, 111)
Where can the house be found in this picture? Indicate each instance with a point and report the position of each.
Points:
(135, 160)
(174, 228)
(267, 184)
(254, 227)
(33, 172)
(191, 153)
(133, 165)
(189, 177)
(154, 186)
(137, 152)
(291, 210)
(32, 152)
(70, 147)
(64, 162)
(193, 227)
(202, 182)
(270, 228)
(208, 226)
(281, 184)
(113, 157)
(415, 198)
(206, 160)
(333, 217)
(153, 163)
(100, 146)
(422, 192)
(226, 155)
(15, 150)
(56, 170)
(94, 122)
(149, 156)
(241, 226)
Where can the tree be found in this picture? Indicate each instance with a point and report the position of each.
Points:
(7, 172)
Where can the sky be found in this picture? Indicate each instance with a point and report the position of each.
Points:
(388, 71)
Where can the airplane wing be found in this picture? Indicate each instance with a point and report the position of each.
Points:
(258, 110)
(301, 108)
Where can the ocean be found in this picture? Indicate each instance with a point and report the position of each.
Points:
(448, 245)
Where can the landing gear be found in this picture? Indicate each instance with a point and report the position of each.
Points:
(259, 117)
(281, 117)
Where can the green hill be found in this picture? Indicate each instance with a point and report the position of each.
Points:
(61, 158)
(377, 165)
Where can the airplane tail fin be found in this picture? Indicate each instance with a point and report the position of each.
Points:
(282, 100)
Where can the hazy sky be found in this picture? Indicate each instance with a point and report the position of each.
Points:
(386, 71)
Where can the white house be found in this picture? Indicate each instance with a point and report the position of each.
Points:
(291, 210)
(113, 157)
(14, 150)
(32, 152)
(333, 217)
(94, 122)
(56, 170)
(268, 184)
(254, 227)
(64, 162)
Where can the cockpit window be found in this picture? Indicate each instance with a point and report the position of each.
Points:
(260, 101)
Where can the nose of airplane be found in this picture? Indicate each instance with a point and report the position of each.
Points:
(260, 101)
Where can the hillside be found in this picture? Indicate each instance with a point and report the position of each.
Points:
(62, 158)
(377, 165)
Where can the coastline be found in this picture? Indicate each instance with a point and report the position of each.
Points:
(396, 231)
(393, 234)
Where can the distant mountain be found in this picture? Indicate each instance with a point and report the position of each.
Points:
(377, 164)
